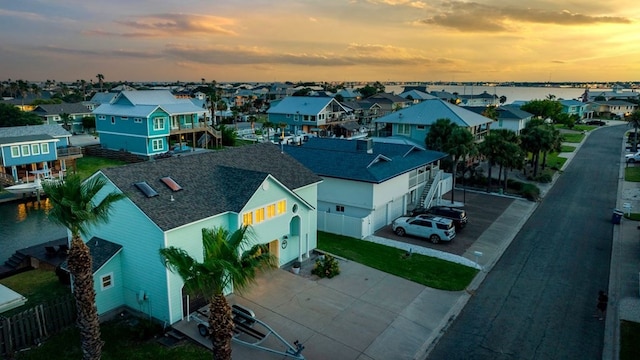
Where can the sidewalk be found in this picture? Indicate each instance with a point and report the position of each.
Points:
(624, 276)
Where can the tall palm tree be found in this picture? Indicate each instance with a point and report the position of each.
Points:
(225, 264)
(459, 145)
(491, 148)
(634, 121)
(74, 208)
(100, 80)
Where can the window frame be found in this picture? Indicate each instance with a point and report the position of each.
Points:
(44, 148)
(35, 149)
(157, 121)
(154, 143)
(23, 152)
(15, 151)
(109, 278)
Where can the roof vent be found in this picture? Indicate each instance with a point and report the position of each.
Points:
(171, 184)
(146, 189)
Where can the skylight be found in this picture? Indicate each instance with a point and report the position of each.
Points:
(167, 180)
(146, 189)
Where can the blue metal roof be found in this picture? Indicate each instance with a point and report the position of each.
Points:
(341, 158)
(303, 105)
(430, 110)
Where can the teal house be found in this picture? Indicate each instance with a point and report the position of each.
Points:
(150, 122)
(415, 121)
(26, 149)
(169, 201)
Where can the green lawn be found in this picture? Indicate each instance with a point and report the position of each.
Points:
(121, 341)
(554, 161)
(573, 138)
(425, 270)
(567, 148)
(38, 286)
(630, 338)
(87, 165)
(632, 173)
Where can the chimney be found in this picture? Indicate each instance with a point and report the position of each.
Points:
(365, 145)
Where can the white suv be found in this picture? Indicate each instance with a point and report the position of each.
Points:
(434, 228)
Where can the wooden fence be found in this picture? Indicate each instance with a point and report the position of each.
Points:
(31, 327)
(96, 150)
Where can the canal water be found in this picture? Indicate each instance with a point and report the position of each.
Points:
(25, 223)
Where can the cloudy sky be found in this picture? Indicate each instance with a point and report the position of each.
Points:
(320, 40)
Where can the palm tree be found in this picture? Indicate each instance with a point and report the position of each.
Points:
(491, 148)
(75, 209)
(459, 146)
(100, 80)
(225, 264)
(634, 120)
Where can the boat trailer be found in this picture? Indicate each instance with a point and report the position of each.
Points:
(253, 336)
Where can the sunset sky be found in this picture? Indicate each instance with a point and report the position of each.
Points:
(320, 40)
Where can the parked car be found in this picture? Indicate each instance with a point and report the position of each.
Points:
(434, 228)
(458, 215)
(596, 122)
(631, 158)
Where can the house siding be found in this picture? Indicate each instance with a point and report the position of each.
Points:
(112, 298)
(8, 160)
(141, 241)
(136, 145)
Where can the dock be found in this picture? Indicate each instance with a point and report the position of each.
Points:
(48, 255)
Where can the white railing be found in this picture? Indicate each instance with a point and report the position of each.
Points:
(432, 190)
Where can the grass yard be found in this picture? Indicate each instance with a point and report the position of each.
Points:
(567, 148)
(573, 138)
(630, 338)
(425, 270)
(632, 173)
(554, 161)
(87, 165)
(121, 341)
(37, 285)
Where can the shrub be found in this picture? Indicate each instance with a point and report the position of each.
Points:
(327, 267)
(530, 192)
(544, 178)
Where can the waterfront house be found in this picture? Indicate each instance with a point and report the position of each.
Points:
(53, 115)
(151, 122)
(414, 122)
(575, 107)
(483, 99)
(416, 96)
(310, 114)
(367, 184)
(612, 109)
(24, 149)
(169, 201)
(363, 111)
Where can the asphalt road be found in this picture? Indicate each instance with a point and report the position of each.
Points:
(539, 300)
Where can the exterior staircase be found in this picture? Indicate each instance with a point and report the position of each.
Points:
(209, 135)
(15, 261)
(429, 192)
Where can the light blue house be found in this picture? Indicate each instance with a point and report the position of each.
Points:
(309, 114)
(415, 121)
(24, 149)
(151, 122)
(510, 117)
(53, 115)
(169, 202)
(574, 107)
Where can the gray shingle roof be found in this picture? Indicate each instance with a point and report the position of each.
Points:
(57, 109)
(213, 182)
(54, 130)
(340, 158)
(101, 251)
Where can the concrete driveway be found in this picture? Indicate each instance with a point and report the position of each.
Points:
(362, 313)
